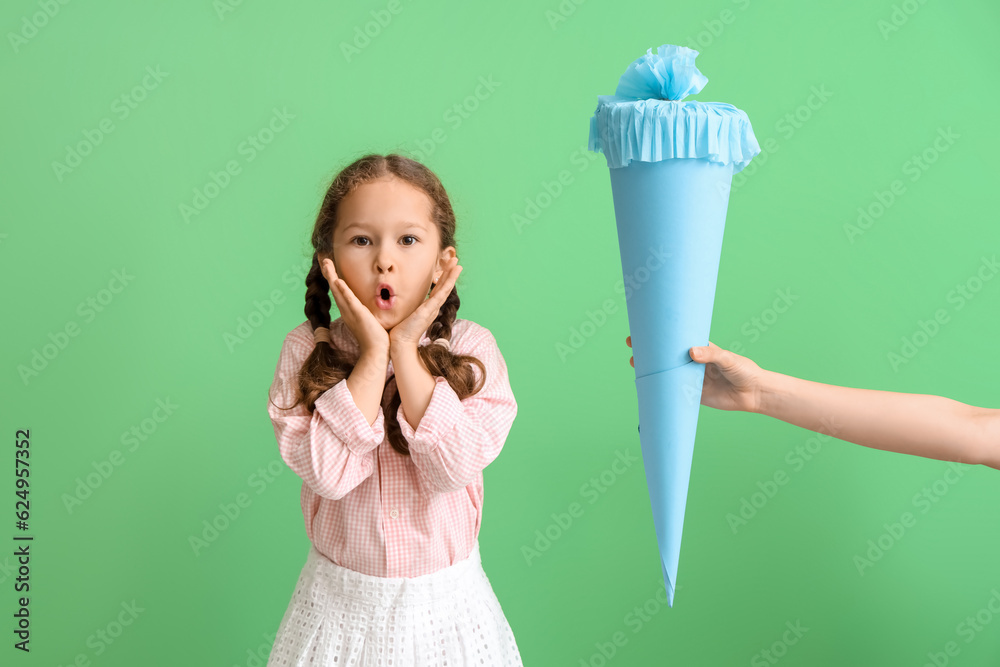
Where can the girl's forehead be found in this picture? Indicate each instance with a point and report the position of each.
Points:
(410, 224)
(385, 203)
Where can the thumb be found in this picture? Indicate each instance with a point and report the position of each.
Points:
(706, 353)
(726, 361)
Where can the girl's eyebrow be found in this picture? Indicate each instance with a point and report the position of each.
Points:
(405, 225)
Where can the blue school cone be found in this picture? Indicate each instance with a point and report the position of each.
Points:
(671, 165)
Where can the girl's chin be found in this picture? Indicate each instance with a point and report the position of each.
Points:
(386, 318)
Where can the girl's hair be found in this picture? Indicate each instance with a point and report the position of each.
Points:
(327, 364)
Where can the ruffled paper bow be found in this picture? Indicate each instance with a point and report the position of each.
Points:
(669, 74)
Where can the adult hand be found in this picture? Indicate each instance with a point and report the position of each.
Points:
(732, 382)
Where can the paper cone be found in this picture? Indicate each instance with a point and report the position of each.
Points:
(671, 166)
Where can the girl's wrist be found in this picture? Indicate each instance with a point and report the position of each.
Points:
(377, 353)
(397, 348)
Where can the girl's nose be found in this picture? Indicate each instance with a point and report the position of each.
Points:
(384, 261)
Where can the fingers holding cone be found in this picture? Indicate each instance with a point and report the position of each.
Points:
(724, 360)
(705, 354)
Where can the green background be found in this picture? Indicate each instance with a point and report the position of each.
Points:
(164, 335)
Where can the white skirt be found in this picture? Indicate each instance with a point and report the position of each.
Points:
(341, 617)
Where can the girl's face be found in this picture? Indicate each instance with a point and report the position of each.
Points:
(385, 237)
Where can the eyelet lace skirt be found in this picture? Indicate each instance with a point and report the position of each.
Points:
(339, 617)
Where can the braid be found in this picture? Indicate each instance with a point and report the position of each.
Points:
(441, 326)
(318, 304)
(326, 365)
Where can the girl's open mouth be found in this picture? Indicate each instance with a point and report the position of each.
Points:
(384, 300)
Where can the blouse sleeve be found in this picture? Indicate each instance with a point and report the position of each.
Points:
(332, 448)
(457, 438)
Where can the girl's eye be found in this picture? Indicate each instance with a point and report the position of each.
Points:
(408, 236)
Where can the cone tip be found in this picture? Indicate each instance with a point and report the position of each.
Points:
(669, 585)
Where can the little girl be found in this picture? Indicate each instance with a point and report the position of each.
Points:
(383, 415)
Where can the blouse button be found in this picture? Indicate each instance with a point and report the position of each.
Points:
(393, 513)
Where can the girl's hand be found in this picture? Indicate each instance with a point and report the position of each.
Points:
(410, 330)
(732, 382)
(370, 334)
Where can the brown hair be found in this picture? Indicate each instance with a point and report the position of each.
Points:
(327, 364)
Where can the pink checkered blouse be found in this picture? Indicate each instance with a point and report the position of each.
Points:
(366, 506)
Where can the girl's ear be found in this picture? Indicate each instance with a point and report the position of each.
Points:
(446, 255)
